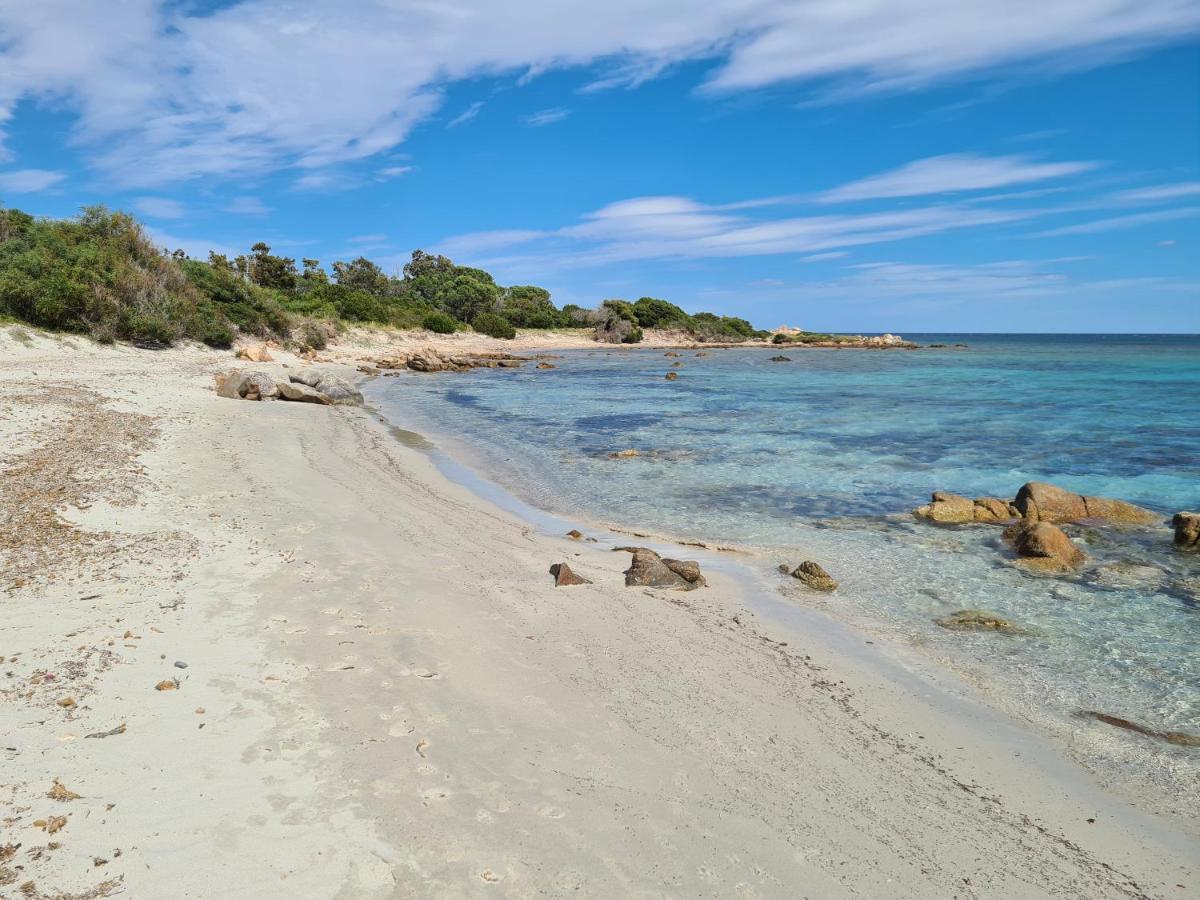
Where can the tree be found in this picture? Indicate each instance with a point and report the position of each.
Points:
(361, 275)
(527, 306)
(654, 313)
(313, 273)
(466, 297)
(269, 271)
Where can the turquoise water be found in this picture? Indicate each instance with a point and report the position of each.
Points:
(822, 457)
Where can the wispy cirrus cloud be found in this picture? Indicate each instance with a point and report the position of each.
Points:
(466, 115)
(953, 173)
(166, 91)
(29, 181)
(1160, 192)
(247, 206)
(546, 117)
(1116, 223)
(159, 207)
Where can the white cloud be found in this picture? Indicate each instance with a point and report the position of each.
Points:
(197, 248)
(822, 257)
(1120, 222)
(248, 206)
(953, 173)
(168, 91)
(546, 117)
(29, 181)
(368, 239)
(1161, 192)
(394, 171)
(466, 115)
(159, 207)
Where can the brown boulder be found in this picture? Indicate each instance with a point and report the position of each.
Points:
(975, 620)
(812, 575)
(247, 386)
(947, 508)
(564, 577)
(300, 393)
(648, 569)
(671, 376)
(1187, 530)
(1044, 547)
(255, 353)
(546, 365)
(993, 509)
(1041, 502)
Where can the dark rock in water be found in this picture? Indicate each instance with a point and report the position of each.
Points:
(781, 359)
(575, 534)
(545, 365)
(671, 376)
(812, 575)
(1187, 530)
(1041, 502)
(648, 569)
(301, 393)
(975, 620)
(701, 353)
(564, 577)
(1178, 738)
(1044, 547)
(672, 353)
(677, 364)
(247, 386)
(948, 508)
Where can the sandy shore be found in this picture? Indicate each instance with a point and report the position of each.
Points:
(383, 695)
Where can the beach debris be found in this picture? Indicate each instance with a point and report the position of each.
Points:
(180, 664)
(947, 508)
(781, 358)
(975, 620)
(167, 684)
(61, 792)
(301, 393)
(421, 747)
(66, 702)
(1178, 738)
(255, 353)
(51, 825)
(648, 569)
(337, 389)
(811, 575)
(246, 386)
(1187, 530)
(671, 376)
(564, 577)
(1044, 548)
(120, 729)
(1042, 502)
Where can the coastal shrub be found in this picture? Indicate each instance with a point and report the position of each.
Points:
(651, 312)
(494, 325)
(781, 338)
(528, 306)
(253, 309)
(439, 323)
(622, 309)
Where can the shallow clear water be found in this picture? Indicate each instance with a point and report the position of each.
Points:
(822, 457)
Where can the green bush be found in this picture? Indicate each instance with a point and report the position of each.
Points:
(439, 323)
(494, 325)
(654, 313)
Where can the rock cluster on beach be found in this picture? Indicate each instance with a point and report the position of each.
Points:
(429, 360)
(950, 508)
(648, 569)
(1045, 548)
(308, 386)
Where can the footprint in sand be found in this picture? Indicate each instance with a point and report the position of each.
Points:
(484, 817)
(306, 527)
(400, 729)
(489, 876)
(434, 795)
(299, 629)
(331, 610)
(550, 812)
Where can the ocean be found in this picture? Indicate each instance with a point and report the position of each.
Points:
(823, 456)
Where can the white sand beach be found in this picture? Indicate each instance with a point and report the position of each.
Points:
(383, 694)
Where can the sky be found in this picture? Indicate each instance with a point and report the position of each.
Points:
(877, 165)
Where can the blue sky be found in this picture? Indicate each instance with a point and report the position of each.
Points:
(905, 166)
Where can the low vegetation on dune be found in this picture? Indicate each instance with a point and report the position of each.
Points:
(100, 274)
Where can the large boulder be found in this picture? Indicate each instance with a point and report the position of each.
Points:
(648, 569)
(1044, 548)
(1042, 502)
(301, 393)
(948, 508)
(813, 576)
(247, 386)
(336, 388)
(1187, 530)
(255, 353)
(564, 577)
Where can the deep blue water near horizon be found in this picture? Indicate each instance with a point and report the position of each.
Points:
(823, 456)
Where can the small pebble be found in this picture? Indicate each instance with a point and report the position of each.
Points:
(180, 664)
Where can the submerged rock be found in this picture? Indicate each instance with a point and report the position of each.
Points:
(813, 576)
(648, 569)
(1178, 738)
(781, 359)
(247, 386)
(975, 620)
(301, 393)
(671, 376)
(1187, 530)
(545, 365)
(948, 508)
(1044, 547)
(564, 577)
(1042, 502)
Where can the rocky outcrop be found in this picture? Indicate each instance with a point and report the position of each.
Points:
(546, 365)
(1178, 738)
(975, 620)
(337, 389)
(429, 360)
(1187, 530)
(781, 358)
(1042, 502)
(564, 577)
(301, 393)
(811, 575)
(948, 508)
(1044, 548)
(671, 376)
(247, 386)
(648, 569)
(255, 353)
